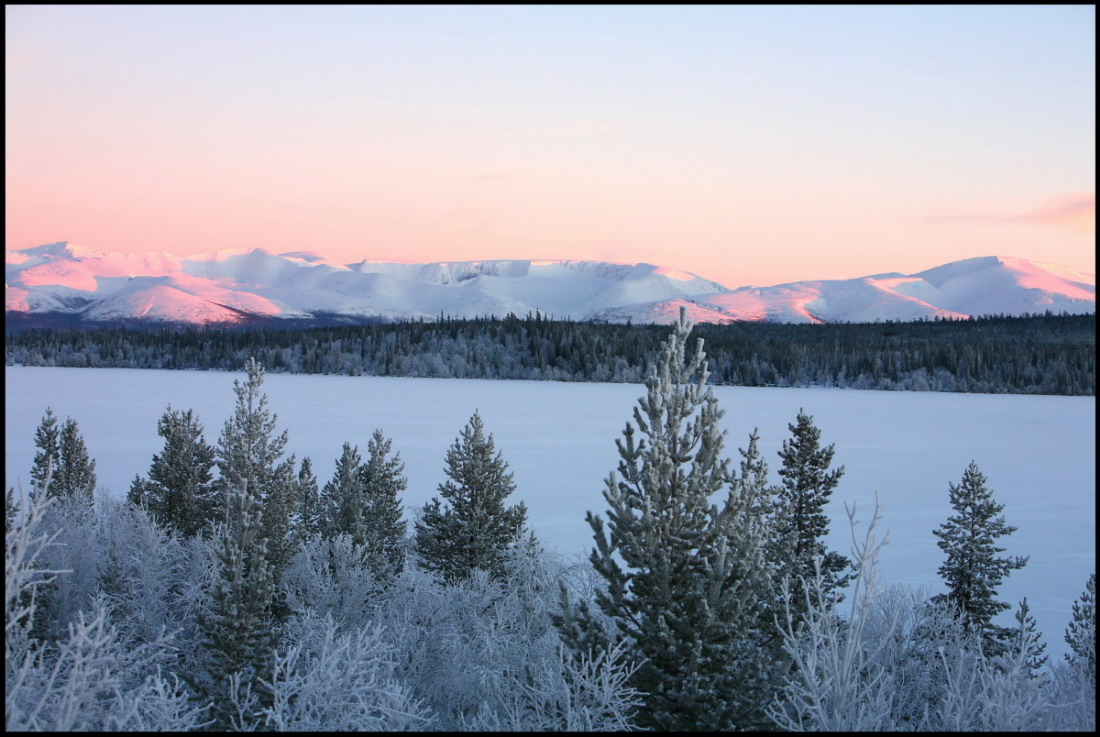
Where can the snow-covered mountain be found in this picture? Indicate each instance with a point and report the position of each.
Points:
(66, 281)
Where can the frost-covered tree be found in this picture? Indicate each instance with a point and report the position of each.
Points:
(332, 681)
(1026, 642)
(685, 578)
(179, 491)
(311, 508)
(799, 523)
(474, 529)
(237, 626)
(75, 475)
(972, 569)
(48, 456)
(1081, 633)
(92, 678)
(483, 653)
(62, 466)
(381, 529)
(250, 457)
(343, 493)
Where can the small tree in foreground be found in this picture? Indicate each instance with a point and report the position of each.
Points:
(62, 466)
(799, 523)
(1081, 633)
(972, 569)
(179, 491)
(475, 529)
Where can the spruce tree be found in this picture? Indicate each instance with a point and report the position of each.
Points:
(179, 491)
(382, 481)
(685, 578)
(972, 569)
(48, 457)
(311, 511)
(798, 522)
(238, 628)
(475, 528)
(1027, 643)
(62, 467)
(1081, 633)
(343, 493)
(250, 457)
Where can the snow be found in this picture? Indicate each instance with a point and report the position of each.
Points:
(300, 283)
(558, 438)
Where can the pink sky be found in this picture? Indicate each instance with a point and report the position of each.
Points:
(747, 145)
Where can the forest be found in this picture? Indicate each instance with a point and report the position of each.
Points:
(232, 590)
(1031, 354)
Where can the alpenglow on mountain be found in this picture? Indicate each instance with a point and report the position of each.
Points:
(62, 283)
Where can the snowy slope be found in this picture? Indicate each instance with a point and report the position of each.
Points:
(238, 284)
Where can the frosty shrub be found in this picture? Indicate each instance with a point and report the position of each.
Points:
(899, 661)
(483, 653)
(92, 679)
(326, 681)
(836, 686)
(330, 576)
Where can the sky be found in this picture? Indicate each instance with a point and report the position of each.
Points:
(750, 145)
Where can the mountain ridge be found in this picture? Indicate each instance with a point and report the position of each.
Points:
(232, 286)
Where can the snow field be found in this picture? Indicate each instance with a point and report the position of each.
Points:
(1037, 452)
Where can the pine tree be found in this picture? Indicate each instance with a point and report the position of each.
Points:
(179, 491)
(383, 530)
(972, 569)
(343, 493)
(1081, 633)
(239, 634)
(685, 579)
(1027, 643)
(77, 477)
(62, 467)
(475, 528)
(249, 456)
(48, 457)
(799, 523)
(311, 511)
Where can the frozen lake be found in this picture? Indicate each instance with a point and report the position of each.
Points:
(558, 438)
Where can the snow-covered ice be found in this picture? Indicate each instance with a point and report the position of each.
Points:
(1038, 452)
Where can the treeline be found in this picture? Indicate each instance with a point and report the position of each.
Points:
(232, 591)
(1033, 354)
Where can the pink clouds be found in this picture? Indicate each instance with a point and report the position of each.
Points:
(1074, 211)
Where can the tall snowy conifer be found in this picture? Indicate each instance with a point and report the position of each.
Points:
(799, 523)
(475, 529)
(179, 491)
(972, 569)
(685, 579)
(250, 457)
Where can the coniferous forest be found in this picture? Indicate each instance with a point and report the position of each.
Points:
(238, 588)
(1036, 354)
